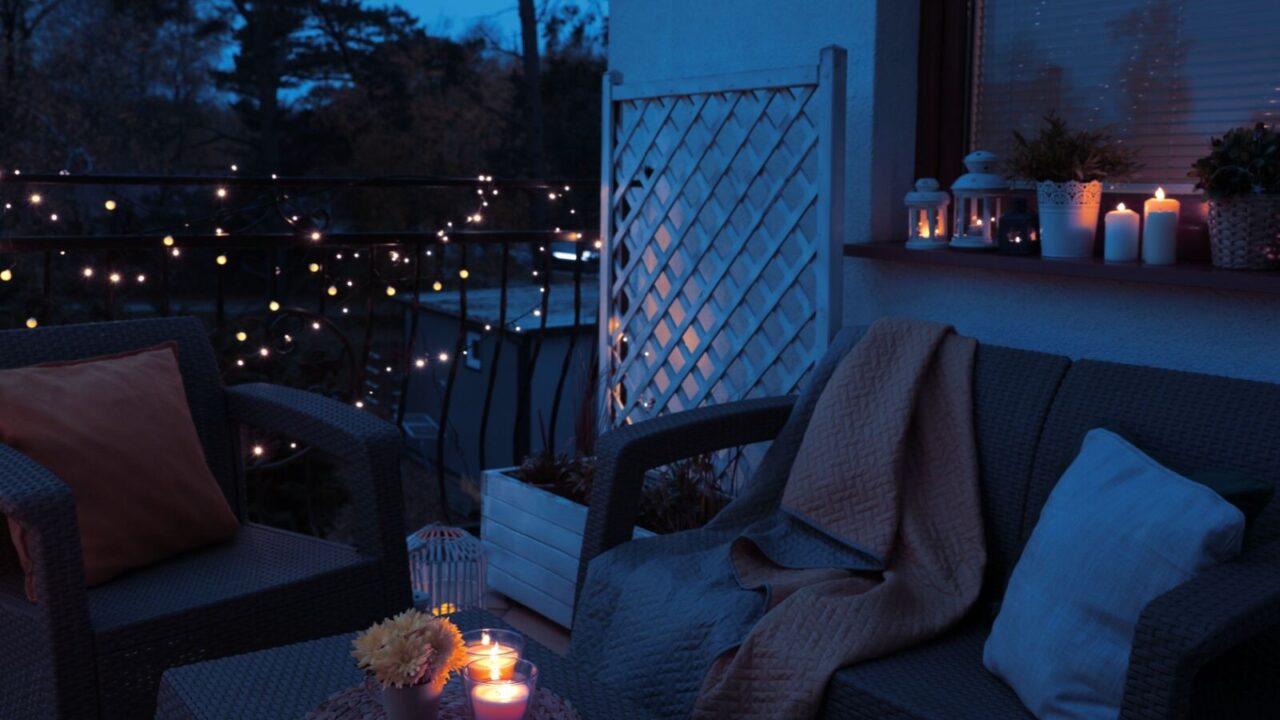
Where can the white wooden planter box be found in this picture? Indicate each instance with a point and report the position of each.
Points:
(533, 539)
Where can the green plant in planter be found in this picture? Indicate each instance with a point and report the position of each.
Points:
(1060, 154)
(1244, 161)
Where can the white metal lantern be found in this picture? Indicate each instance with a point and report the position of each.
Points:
(446, 569)
(927, 215)
(979, 202)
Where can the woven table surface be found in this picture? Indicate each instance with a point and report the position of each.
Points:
(360, 702)
(291, 681)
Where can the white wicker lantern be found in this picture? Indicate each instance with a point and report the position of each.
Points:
(979, 202)
(927, 215)
(446, 569)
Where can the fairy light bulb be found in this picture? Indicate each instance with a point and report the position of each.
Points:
(53, 217)
(443, 357)
(258, 450)
(222, 192)
(315, 236)
(6, 275)
(109, 205)
(221, 259)
(32, 323)
(391, 291)
(314, 267)
(142, 278)
(168, 241)
(437, 286)
(315, 326)
(87, 272)
(242, 336)
(359, 403)
(333, 290)
(177, 252)
(35, 198)
(114, 278)
(464, 274)
(419, 363)
(273, 306)
(263, 351)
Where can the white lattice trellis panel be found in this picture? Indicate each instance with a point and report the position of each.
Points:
(721, 213)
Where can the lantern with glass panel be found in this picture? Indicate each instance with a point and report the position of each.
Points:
(979, 197)
(927, 215)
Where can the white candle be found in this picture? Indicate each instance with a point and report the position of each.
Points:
(1122, 235)
(499, 701)
(1160, 204)
(1160, 238)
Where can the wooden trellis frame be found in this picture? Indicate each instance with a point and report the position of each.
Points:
(721, 211)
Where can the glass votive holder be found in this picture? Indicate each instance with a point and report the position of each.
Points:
(492, 649)
(499, 699)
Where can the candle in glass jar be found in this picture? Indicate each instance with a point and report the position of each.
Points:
(489, 657)
(1122, 235)
(499, 700)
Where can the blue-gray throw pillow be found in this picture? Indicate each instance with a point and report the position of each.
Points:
(1118, 530)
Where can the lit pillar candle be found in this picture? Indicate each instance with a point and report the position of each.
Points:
(1160, 241)
(1160, 234)
(1122, 235)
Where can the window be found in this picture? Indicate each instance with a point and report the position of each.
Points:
(1162, 75)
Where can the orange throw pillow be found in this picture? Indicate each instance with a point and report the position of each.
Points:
(116, 429)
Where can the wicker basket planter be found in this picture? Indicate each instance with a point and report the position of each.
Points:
(1244, 232)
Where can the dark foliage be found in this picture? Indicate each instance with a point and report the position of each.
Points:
(1243, 161)
(1059, 154)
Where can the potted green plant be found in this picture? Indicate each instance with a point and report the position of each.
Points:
(1240, 178)
(1068, 167)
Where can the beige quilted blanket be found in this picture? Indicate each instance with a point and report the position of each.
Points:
(887, 462)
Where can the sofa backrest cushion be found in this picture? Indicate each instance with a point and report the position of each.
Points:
(1013, 390)
(200, 377)
(1188, 422)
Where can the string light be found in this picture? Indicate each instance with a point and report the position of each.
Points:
(53, 217)
(315, 235)
(222, 192)
(87, 272)
(32, 323)
(437, 286)
(359, 403)
(239, 363)
(315, 326)
(391, 291)
(168, 241)
(258, 451)
(419, 363)
(263, 351)
(176, 252)
(314, 267)
(464, 274)
(333, 290)
(109, 205)
(444, 357)
(35, 198)
(142, 278)
(242, 336)
(273, 306)
(114, 278)
(6, 275)
(221, 259)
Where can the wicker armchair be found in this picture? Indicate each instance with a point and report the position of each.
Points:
(1209, 648)
(99, 652)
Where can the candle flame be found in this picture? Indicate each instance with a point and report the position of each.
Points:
(1159, 193)
(493, 651)
(1120, 206)
(484, 638)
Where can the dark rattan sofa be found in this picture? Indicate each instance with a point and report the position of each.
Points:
(1206, 649)
(99, 653)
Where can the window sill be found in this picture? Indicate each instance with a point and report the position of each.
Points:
(1190, 274)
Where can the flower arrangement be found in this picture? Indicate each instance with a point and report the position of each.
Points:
(1244, 161)
(412, 648)
(1060, 154)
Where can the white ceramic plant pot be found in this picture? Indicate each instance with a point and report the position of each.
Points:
(416, 702)
(1068, 218)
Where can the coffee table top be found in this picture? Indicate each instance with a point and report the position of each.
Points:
(290, 681)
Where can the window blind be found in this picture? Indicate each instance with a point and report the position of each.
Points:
(1163, 76)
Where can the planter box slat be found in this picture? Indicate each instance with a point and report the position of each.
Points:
(530, 549)
(531, 597)
(526, 519)
(534, 540)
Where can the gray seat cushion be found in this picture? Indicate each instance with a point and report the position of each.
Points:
(941, 679)
(261, 570)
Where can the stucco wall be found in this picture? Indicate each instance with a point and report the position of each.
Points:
(1208, 331)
